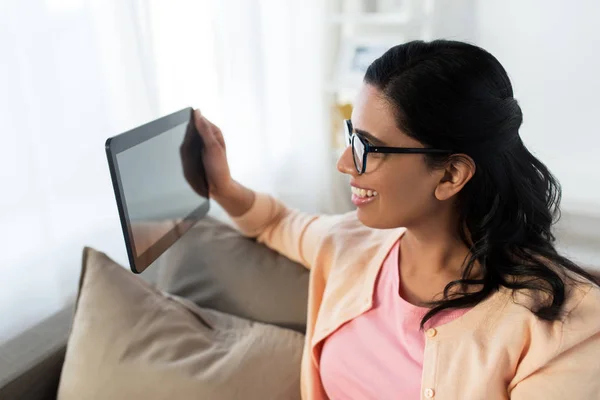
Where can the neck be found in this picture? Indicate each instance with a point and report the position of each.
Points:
(433, 250)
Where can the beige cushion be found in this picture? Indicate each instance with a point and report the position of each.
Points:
(216, 267)
(131, 341)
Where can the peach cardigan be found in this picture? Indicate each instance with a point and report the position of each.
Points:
(497, 350)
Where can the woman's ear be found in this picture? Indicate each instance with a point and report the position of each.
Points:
(459, 170)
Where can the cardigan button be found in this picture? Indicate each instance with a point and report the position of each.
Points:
(429, 393)
(431, 332)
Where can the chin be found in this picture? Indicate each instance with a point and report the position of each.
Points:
(375, 220)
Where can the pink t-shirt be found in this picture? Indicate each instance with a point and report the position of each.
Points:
(379, 354)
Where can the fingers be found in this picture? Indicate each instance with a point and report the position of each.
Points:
(203, 127)
(211, 134)
(218, 134)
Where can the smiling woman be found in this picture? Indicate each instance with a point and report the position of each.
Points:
(490, 190)
(449, 262)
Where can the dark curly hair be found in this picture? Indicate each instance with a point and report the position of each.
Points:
(454, 95)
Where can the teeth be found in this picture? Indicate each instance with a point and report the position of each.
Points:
(363, 192)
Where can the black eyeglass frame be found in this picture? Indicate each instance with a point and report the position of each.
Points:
(351, 135)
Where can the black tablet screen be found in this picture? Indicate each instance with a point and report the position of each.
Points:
(164, 190)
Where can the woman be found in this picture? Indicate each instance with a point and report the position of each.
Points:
(445, 282)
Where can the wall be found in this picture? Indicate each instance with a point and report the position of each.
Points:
(550, 50)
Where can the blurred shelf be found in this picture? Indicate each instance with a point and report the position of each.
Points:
(581, 207)
(371, 19)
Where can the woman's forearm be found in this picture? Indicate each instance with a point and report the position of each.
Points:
(236, 200)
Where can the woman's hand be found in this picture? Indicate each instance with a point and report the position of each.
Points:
(211, 167)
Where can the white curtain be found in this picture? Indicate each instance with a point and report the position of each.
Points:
(72, 73)
(75, 72)
(256, 69)
(272, 72)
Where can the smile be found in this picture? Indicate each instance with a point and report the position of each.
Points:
(363, 193)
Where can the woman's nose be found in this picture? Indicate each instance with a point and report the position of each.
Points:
(345, 164)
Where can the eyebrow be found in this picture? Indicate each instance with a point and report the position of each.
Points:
(369, 137)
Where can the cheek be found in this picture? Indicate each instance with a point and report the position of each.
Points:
(406, 194)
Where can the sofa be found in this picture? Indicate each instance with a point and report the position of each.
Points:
(212, 265)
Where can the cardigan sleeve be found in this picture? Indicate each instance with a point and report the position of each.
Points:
(294, 234)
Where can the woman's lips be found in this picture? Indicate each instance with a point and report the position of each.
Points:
(361, 201)
(362, 196)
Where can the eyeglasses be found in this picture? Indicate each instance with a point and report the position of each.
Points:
(361, 148)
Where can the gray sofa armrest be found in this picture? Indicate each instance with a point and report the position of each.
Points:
(30, 364)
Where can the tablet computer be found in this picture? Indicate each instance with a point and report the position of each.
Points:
(159, 183)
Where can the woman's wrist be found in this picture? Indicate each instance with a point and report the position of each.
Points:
(235, 198)
(224, 190)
